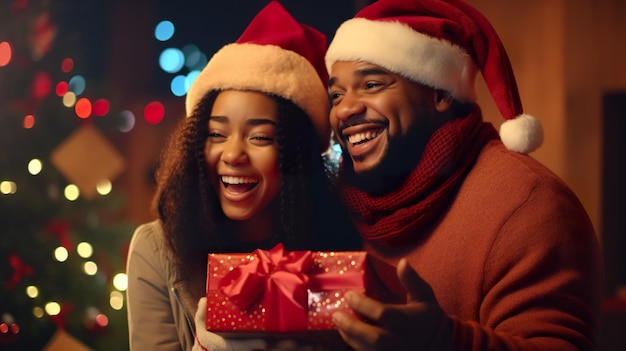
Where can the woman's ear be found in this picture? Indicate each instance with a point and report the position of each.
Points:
(443, 100)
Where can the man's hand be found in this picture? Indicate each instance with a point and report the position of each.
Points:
(420, 324)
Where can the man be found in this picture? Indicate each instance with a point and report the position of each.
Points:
(485, 247)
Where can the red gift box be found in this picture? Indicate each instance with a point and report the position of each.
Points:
(279, 290)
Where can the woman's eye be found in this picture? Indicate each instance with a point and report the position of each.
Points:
(216, 137)
(262, 139)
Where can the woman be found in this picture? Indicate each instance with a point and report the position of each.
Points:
(242, 171)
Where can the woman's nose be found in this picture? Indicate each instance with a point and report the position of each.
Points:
(234, 152)
(349, 106)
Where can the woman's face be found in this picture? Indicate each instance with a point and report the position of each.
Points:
(242, 153)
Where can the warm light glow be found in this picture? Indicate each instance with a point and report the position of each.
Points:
(5, 53)
(104, 187)
(102, 320)
(62, 88)
(90, 268)
(116, 300)
(53, 308)
(29, 121)
(120, 281)
(38, 312)
(69, 99)
(84, 249)
(61, 254)
(71, 192)
(34, 166)
(101, 107)
(154, 112)
(83, 108)
(67, 65)
(32, 291)
(8, 187)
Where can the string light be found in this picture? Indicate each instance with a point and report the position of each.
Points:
(84, 249)
(104, 187)
(71, 192)
(5, 53)
(61, 254)
(34, 166)
(8, 187)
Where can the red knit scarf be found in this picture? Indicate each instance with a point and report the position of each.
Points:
(398, 216)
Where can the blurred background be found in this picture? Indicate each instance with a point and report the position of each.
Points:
(89, 90)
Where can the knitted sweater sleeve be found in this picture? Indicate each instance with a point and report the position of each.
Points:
(150, 317)
(540, 281)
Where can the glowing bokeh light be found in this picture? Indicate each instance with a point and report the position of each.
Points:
(29, 121)
(194, 58)
(42, 85)
(77, 84)
(69, 99)
(71, 192)
(67, 65)
(32, 291)
(120, 281)
(53, 308)
(177, 86)
(171, 60)
(84, 249)
(127, 122)
(8, 187)
(90, 268)
(104, 187)
(5, 53)
(116, 300)
(61, 88)
(191, 77)
(164, 31)
(102, 320)
(34, 166)
(83, 108)
(154, 112)
(61, 254)
(101, 107)
(38, 312)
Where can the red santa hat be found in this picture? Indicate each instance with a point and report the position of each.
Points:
(442, 44)
(274, 55)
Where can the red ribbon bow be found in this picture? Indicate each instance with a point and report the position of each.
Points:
(20, 269)
(279, 280)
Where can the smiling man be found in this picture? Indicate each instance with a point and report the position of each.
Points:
(479, 246)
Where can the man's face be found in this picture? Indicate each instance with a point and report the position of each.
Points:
(382, 121)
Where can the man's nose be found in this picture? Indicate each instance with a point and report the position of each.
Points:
(351, 104)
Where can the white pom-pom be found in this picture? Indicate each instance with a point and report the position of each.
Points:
(523, 134)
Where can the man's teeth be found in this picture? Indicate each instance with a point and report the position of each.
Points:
(238, 180)
(360, 137)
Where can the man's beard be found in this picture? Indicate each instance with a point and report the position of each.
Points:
(401, 156)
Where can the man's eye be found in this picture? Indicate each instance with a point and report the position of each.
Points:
(371, 85)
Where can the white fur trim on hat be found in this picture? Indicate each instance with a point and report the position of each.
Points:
(400, 49)
(523, 134)
(269, 69)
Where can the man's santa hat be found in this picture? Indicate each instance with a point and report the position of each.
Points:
(274, 55)
(441, 44)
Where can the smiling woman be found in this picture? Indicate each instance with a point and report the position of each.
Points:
(243, 171)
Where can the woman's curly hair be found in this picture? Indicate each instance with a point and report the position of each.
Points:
(310, 214)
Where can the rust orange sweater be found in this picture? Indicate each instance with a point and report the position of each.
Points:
(513, 260)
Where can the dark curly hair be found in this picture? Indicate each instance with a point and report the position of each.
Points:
(310, 214)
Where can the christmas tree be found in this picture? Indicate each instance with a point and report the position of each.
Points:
(62, 238)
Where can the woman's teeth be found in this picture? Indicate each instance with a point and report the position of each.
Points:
(362, 137)
(238, 180)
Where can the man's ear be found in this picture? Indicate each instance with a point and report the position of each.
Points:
(443, 100)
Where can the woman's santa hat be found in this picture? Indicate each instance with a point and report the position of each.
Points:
(274, 55)
(442, 44)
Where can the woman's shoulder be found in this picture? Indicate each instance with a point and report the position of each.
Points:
(148, 238)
